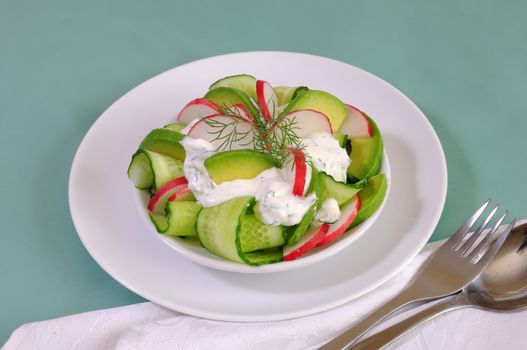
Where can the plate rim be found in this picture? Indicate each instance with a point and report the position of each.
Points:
(233, 317)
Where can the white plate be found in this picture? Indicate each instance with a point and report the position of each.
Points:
(104, 208)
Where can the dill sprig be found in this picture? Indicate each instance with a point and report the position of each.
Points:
(274, 137)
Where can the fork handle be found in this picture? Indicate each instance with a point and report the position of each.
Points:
(343, 341)
(390, 334)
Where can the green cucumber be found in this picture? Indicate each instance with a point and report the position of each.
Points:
(219, 231)
(255, 235)
(164, 168)
(227, 96)
(327, 187)
(151, 170)
(243, 82)
(182, 217)
(164, 141)
(218, 228)
(238, 164)
(298, 231)
(366, 154)
(266, 256)
(160, 222)
(286, 94)
(140, 171)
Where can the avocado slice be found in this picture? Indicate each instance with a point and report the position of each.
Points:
(366, 154)
(320, 101)
(237, 164)
(286, 94)
(243, 82)
(166, 142)
(371, 198)
(227, 96)
(326, 187)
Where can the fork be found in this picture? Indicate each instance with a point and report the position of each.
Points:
(450, 269)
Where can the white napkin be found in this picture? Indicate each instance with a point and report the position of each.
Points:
(151, 327)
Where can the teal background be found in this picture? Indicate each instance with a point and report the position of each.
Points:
(62, 63)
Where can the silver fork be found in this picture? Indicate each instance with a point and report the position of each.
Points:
(450, 269)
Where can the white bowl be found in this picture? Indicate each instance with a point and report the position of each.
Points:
(196, 253)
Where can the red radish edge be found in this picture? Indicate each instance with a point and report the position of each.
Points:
(300, 171)
(260, 96)
(349, 212)
(370, 130)
(180, 192)
(164, 190)
(199, 101)
(308, 242)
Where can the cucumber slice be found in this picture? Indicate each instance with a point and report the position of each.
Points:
(160, 221)
(219, 231)
(218, 227)
(140, 171)
(243, 82)
(288, 93)
(164, 141)
(227, 96)
(255, 235)
(182, 217)
(164, 168)
(238, 164)
(175, 127)
(298, 231)
(262, 257)
(341, 138)
(327, 187)
(366, 154)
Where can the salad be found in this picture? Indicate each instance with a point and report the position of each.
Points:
(260, 174)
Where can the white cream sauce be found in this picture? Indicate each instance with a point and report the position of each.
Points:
(327, 155)
(278, 205)
(329, 211)
(273, 188)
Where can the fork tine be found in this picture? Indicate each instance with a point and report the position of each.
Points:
(457, 237)
(479, 232)
(477, 250)
(496, 245)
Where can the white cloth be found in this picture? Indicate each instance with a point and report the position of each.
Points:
(151, 327)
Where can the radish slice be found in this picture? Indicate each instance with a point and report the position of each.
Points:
(299, 171)
(240, 110)
(159, 200)
(197, 109)
(267, 99)
(310, 239)
(348, 213)
(307, 121)
(183, 193)
(356, 124)
(212, 129)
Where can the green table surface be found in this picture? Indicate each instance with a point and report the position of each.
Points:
(62, 63)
